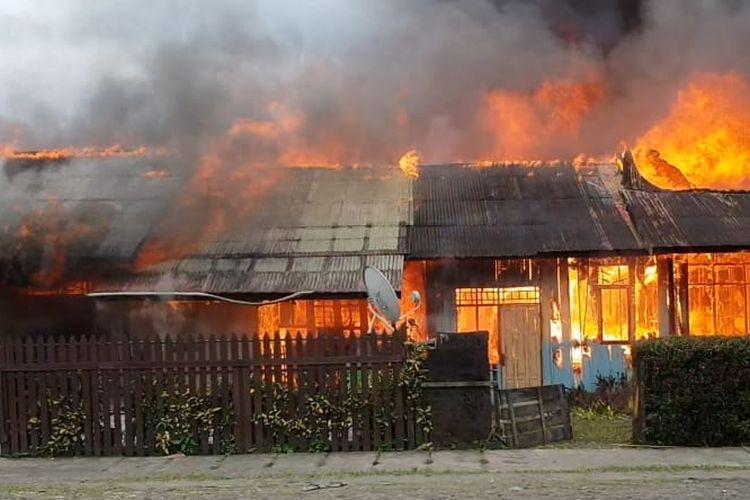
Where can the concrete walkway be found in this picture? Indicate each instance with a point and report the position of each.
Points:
(536, 473)
(333, 464)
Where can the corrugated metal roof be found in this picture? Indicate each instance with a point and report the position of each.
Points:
(515, 210)
(694, 219)
(315, 230)
(329, 274)
(318, 227)
(114, 197)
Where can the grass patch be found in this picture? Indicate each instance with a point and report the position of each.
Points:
(593, 429)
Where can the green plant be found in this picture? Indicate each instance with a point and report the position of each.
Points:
(412, 377)
(181, 417)
(65, 430)
(696, 390)
(313, 418)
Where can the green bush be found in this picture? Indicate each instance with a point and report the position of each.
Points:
(696, 390)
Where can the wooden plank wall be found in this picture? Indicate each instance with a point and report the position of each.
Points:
(108, 392)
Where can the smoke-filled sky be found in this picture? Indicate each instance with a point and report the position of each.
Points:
(353, 81)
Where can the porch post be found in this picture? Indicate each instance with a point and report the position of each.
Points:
(665, 276)
(631, 299)
(564, 297)
(684, 295)
(547, 289)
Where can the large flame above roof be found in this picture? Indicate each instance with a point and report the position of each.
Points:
(705, 136)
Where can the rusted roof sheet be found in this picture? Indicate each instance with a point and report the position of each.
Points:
(517, 211)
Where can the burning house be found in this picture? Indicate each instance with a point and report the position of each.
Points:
(208, 229)
(563, 265)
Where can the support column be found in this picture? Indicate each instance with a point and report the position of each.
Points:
(665, 276)
(547, 292)
(631, 299)
(563, 295)
(684, 298)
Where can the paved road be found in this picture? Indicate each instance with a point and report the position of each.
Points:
(528, 474)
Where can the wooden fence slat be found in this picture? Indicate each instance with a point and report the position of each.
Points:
(149, 381)
(33, 397)
(22, 401)
(213, 356)
(44, 352)
(367, 372)
(257, 385)
(245, 397)
(3, 406)
(74, 386)
(163, 375)
(88, 417)
(13, 403)
(138, 399)
(104, 351)
(267, 387)
(203, 389)
(239, 427)
(296, 382)
(400, 430)
(117, 397)
(226, 381)
(96, 414)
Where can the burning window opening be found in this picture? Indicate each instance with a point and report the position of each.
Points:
(314, 317)
(718, 291)
(479, 309)
(609, 299)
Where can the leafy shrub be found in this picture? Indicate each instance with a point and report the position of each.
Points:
(696, 390)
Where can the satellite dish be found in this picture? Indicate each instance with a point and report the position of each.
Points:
(382, 297)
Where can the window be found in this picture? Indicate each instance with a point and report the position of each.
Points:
(613, 295)
(293, 317)
(324, 314)
(614, 314)
(600, 299)
(348, 317)
(718, 289)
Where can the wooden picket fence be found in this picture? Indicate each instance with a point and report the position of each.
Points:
(94, 397)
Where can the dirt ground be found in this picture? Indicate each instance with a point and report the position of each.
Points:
(641, 485)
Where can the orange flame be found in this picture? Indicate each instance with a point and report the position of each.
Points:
(409, 163)
(706, 135)
(9, 151)
(527, 125)
(47, 234)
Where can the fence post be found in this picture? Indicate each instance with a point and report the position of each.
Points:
(639, 404)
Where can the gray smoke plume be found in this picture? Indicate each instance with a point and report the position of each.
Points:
(362, 81)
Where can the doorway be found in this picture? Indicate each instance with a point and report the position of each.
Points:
(511, 317)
